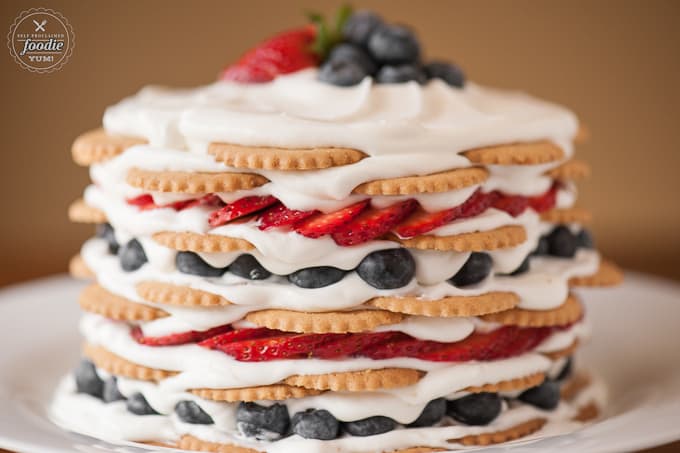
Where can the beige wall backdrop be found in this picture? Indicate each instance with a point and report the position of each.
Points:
(616, 63)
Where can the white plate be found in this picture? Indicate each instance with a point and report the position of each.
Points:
(635, 347)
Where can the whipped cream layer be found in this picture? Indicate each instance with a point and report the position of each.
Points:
(85, 414)
(297, 110)
(200, 367)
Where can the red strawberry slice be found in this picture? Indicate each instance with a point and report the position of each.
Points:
(477, 203)
(287, 346)
(374, 223)
(512, 204)
(280, 216)
(143, 202)
(422, 222)
(352, 344)
(206, 200)
(321, 224)
(286, 52)
(178, 338)
(240, 208)
(545, 202)
(236, 335)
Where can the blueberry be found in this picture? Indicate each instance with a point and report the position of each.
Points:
(448, 72)
(475, 408)
(343, 73)
(400, 74)
(523, 268)
(394, 44)
(191, 263)
(247, 266)
(387, 269)
(355, 54)
(585, 239)
(545, 396)
(111, 392)
(262, 423)
(87, 379)
(543, 247)
(316, 277)
(359, 27)
(315, 424)
(566, 371)
(475, 269)
(105, 231)
(562, 243)
(369, 426)
(190, 412)
(138, 405)
(433, 413)
(132, 256)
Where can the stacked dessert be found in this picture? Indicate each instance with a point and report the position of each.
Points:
(334, 247)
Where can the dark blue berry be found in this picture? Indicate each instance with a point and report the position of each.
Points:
(192, 263)
(111, 392)
(316, 277)
(475, 269)
(105, 231)
(523, 268)
(138, 405)
(342, 73)
(394, 44)
(400, 74)
(315, 424)
(359, 27)
(262, 423)
(369, 426)
(87, 379)
(433, 413)
(448, 72)
(585, 239)
(246, 266)
(355, 54)
(132, 256)
(190, 412)
(562, 243)
(545, 396)
(566, 371)
(543, 247)
(387, 269)
(475, 409)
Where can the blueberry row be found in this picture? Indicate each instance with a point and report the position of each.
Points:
(383, 269)
(389, 53)
(274, 422)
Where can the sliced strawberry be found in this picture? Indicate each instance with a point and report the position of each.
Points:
(238, 335)
(545, 202)
(512, 204)
(143, 202)
(207, 200)
(286, 52)
(351, 344)
(240, 208)
(286, 346)
(178, 338)
(422, 222)
(280, 216)
(477, 204)
(374, 223)
(321, 224)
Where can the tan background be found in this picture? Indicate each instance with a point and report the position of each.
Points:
(616, 63)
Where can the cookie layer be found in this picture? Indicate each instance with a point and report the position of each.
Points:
(608, 274)
(78, 269)
(81, 212)
(567, 215)
(570, 170)
(358, 381)
(499, 238)
(533, 153)
(208, 243)
(269, 158)
(166, 293)
(510, 385)
(570, 311)
(98, 146)
(521, 430)
(192, 183)
(449, 306)
(96, 299)
(275, 392)
(327, 322)
(437, 182)
(116, 365)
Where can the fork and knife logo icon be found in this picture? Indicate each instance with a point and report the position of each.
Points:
(40, 26)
